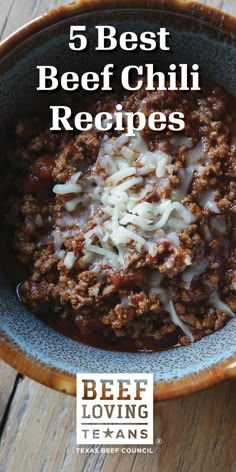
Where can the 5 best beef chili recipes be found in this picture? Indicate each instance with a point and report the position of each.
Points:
(131, 79)
(126, 231)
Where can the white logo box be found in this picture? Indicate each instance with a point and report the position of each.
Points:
(114, 408)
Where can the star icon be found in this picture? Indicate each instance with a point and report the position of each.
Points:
(108, 433)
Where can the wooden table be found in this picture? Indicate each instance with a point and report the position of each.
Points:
(37, 425)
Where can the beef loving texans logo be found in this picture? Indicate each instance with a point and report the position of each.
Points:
(114, 409)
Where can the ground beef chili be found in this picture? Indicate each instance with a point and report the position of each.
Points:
(129, 240)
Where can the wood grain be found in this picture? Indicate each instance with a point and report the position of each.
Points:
(198, 432)
(16, 13)
(7, 380)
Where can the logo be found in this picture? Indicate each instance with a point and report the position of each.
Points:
(114, 409)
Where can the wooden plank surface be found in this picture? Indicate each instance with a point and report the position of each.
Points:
(198, 433)
(15, 13)
(7, 380)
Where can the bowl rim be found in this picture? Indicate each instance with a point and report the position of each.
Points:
(9, 350)
(214, 17)
(65, 382)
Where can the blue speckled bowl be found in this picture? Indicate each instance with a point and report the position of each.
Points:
(198, 34)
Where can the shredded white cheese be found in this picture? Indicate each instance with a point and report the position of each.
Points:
(124, 174)
(64, 189)
(217, 303)
(191, 272)
(177, 321)
(207, 201)
(69, 260)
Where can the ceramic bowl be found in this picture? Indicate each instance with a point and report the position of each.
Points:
(199, 34)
